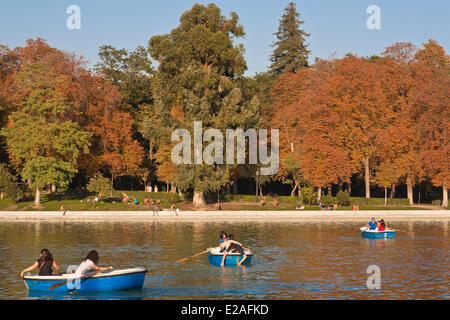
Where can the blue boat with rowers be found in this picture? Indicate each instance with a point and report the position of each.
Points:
(377, 230)
(375, 234)
(115, 280)
(215, 257)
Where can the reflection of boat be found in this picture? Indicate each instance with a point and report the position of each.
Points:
(215, 257)
(375, 234)
(116, 280)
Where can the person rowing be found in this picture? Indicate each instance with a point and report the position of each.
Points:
(45, 263)
(372, 224)
(89, 264)
(232, 246)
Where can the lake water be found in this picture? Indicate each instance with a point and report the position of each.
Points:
(313, 260)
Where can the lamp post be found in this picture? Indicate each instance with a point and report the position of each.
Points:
(257, 182)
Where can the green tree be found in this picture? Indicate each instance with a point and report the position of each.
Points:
(195, 81)
(40, 138)
(8, 186)
(101, 185)
(291, 51)
(132, 72)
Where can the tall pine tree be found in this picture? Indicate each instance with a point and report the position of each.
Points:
(291, 51)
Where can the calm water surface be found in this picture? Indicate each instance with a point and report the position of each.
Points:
(313, 260)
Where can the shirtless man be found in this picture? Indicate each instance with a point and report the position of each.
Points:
(232, 246)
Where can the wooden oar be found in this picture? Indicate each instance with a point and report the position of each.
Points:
(83, 278)
(262, 255)
(195, 255)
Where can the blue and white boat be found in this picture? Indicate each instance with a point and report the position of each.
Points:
(375, 234)
(232, 259)
(115, 280)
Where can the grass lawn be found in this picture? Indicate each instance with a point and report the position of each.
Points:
(78, 202)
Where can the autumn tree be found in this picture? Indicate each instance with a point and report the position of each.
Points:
(434, 122)
(41, 139)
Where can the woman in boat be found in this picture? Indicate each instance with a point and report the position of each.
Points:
(382, 226)
(223, 237)
(45, 263)
(89, 264)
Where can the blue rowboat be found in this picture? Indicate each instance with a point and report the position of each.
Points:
(116, 280)
(375, 234)
(232, 259)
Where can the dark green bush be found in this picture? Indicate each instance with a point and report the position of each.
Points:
(343, 198)
(328, 200)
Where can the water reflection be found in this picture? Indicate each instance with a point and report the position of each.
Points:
(312, 260)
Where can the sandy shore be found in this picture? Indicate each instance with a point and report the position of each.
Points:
(206, 216)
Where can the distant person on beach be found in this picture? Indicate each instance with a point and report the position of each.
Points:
(372, 224)
(173, 209)
(155, 210)
(156, 189)
(45, 263)
(89, 264)
(64, 210)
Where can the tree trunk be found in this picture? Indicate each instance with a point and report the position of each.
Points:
(235, 186)
(168, 186)
(293, 190)
(409, 188)
(385, 196)
(444, 196)
(329, 191)
(367, 176)
(173, 189)
(392, 191)
(319, 193)
(1, 195)
(199, 200)
(299, 192)
(37, 198)
(53, 188)
(350, 188)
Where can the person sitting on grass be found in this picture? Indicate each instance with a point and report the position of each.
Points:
(45, 263)
(145, 201)
(135, 200)
(276, 203)
(89, 264)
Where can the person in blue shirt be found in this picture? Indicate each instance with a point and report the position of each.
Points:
(223, 237)
(373, 224)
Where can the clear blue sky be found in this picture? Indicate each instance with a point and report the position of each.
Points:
(335, 26)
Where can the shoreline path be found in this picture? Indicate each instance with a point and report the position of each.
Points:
(211, 216)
